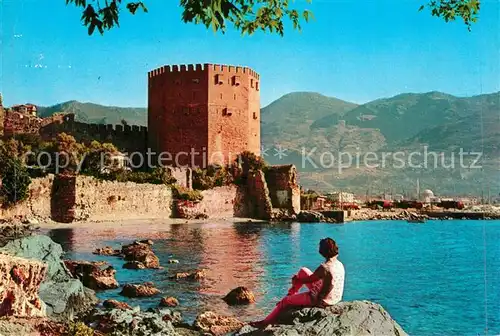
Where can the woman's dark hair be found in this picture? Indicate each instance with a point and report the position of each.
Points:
(328, 248)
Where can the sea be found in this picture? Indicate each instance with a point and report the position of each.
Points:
(441, 277)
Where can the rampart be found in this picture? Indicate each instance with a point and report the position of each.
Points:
(126, 138)
(66, 198)
(201, 68)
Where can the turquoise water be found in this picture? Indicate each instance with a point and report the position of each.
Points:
(437, 278)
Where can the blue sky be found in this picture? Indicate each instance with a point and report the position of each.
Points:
(353, 50)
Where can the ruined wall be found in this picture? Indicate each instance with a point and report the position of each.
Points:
(38, 203)
(66, 198)
(63, 199)
(109, 200)
(206, 109)
(257, 197)
(184, 176)
(219, 202)
(284, 190)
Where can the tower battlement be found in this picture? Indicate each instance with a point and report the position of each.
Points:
(232, 69)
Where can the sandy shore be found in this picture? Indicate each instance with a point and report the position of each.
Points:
(149, 222)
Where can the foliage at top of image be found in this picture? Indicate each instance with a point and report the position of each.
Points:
(247, 16)
(450, 10)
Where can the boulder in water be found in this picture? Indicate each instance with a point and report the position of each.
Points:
(239, 296)
(91, 274)
(142, 252)
(169, 302)
(310, 217)
(107, 251)
(111, 304)
(143, 290)
(193, 275)
(134, 265)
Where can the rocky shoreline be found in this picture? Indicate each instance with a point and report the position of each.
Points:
(395, 214)
(45, 295)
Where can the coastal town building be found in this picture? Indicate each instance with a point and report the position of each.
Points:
(25, 109)
(203, 114)
(341, 197)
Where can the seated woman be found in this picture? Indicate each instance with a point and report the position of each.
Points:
(326, 285)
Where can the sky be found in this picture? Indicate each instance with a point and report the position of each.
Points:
(353, 50)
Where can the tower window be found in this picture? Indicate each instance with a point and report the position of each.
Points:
(257, 85)
(221, 96)
(255, 115)
(227, 112)
(196, 80)
(251, 82)
(177, 82)
(219, 79)
(234, 96)
(236, 80)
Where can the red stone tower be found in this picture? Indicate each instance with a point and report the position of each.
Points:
(203, 114)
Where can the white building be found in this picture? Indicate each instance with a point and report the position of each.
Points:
(341, 197)
(398, 198)
(427, 196)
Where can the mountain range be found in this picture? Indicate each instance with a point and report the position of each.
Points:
(309, 129)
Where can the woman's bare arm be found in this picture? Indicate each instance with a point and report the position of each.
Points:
(319, 274)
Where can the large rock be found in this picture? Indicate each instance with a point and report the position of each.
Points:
(32, 326)
(107, 251)
(134, 265)
(20, 281)
(192, 275)
(169, 302)
(14, 229)
(111, 304)
(64, 296)
(356, 318)
(141, 252)
(216, 324)
(92, 275)
(239, 296)
(119, 322)
(144, 290)
(310, 217)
